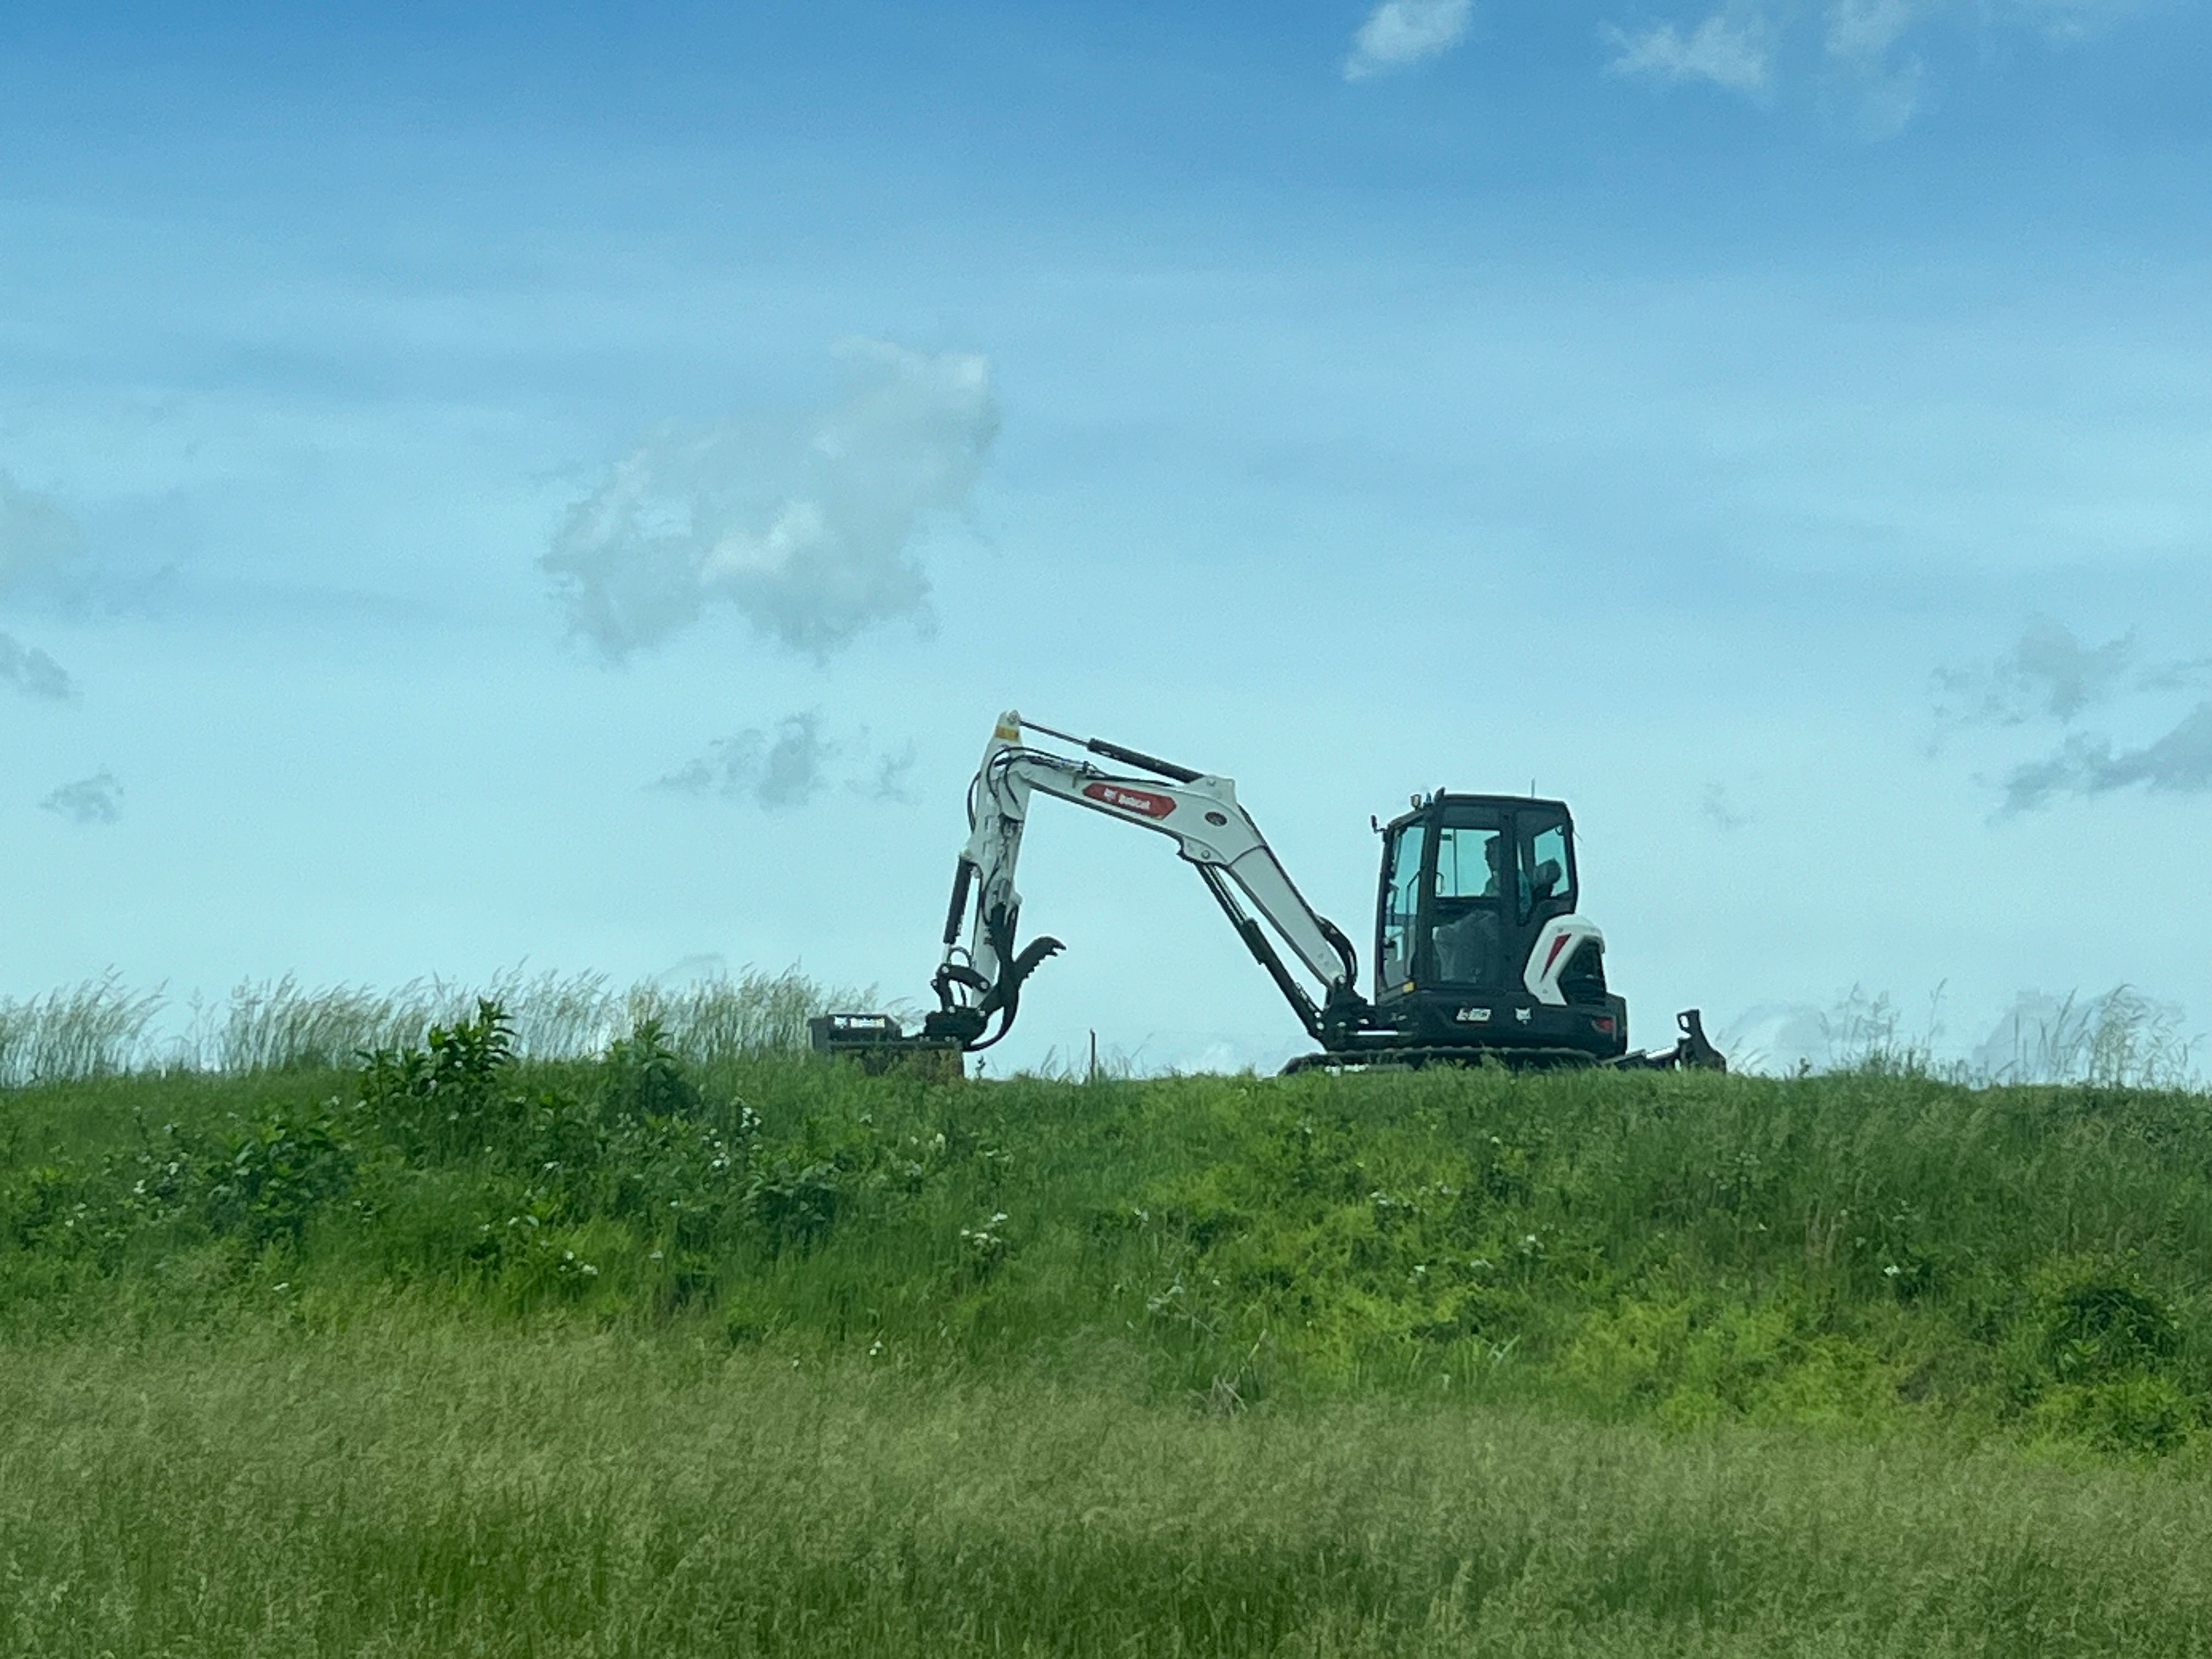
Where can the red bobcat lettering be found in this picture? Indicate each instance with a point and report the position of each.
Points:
(1130, 800)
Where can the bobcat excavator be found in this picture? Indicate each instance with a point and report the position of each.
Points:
(1479, 950)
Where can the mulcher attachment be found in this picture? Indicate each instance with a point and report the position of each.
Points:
(879, 1043)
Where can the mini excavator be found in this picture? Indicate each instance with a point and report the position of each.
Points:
(1480, 953)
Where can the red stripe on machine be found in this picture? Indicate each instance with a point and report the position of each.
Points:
(1142, 801)
(1558, 946)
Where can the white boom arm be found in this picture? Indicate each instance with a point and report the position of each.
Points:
(981, 973)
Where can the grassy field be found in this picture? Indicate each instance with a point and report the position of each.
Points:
(396, 1488)
(696, 1348)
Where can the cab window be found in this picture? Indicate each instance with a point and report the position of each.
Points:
(1466, 937)
(1544, 874)
(1467, 861)
(1402, 899)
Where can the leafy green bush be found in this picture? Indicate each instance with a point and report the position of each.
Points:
(280, 1173)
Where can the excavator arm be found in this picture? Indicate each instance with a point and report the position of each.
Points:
(979, 979)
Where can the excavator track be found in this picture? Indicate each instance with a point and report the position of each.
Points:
(1692, 1052)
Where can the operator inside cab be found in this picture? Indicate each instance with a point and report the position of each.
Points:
(1454, 892)
(1469, 944)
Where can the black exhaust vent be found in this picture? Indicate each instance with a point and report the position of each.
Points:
(1582, 980)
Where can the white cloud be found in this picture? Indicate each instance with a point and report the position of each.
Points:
(1880, 90)
(2049, 673)
(791, 766)
(1859, 51)
(42, 554)
(2050, 677)
(32, 673)
(2071, 19)
(2177, 762)
(1777, 1038)
(1885, 98)
(1867, 29)
(96, 799)
(1733, 49)
(804, 526)
(1402, 32)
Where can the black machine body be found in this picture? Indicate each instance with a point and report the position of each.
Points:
(1478, 945)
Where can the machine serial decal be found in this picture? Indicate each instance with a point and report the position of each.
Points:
(1131, 800)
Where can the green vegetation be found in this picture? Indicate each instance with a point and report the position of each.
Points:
(698, 1345)
(395, 1489)
(102, 1027)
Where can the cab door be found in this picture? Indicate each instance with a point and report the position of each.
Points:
(1398, 910)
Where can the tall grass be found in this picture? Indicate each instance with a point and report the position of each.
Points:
(100, 1028)
(756, 1014)
(94, 1029)
(2122, 1039)
(430, 1490)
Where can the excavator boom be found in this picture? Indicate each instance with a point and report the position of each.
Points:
(979, 976)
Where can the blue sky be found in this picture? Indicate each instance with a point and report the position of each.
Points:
(572, 485)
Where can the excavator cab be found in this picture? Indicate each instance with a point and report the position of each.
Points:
(1466, 946)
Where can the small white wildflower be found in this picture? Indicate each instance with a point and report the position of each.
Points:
(875, 1348)
(1892, 1270)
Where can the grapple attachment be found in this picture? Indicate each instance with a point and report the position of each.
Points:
(879, 1044)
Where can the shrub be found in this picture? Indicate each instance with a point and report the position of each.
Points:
(436, 1101)
(279, 1172)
